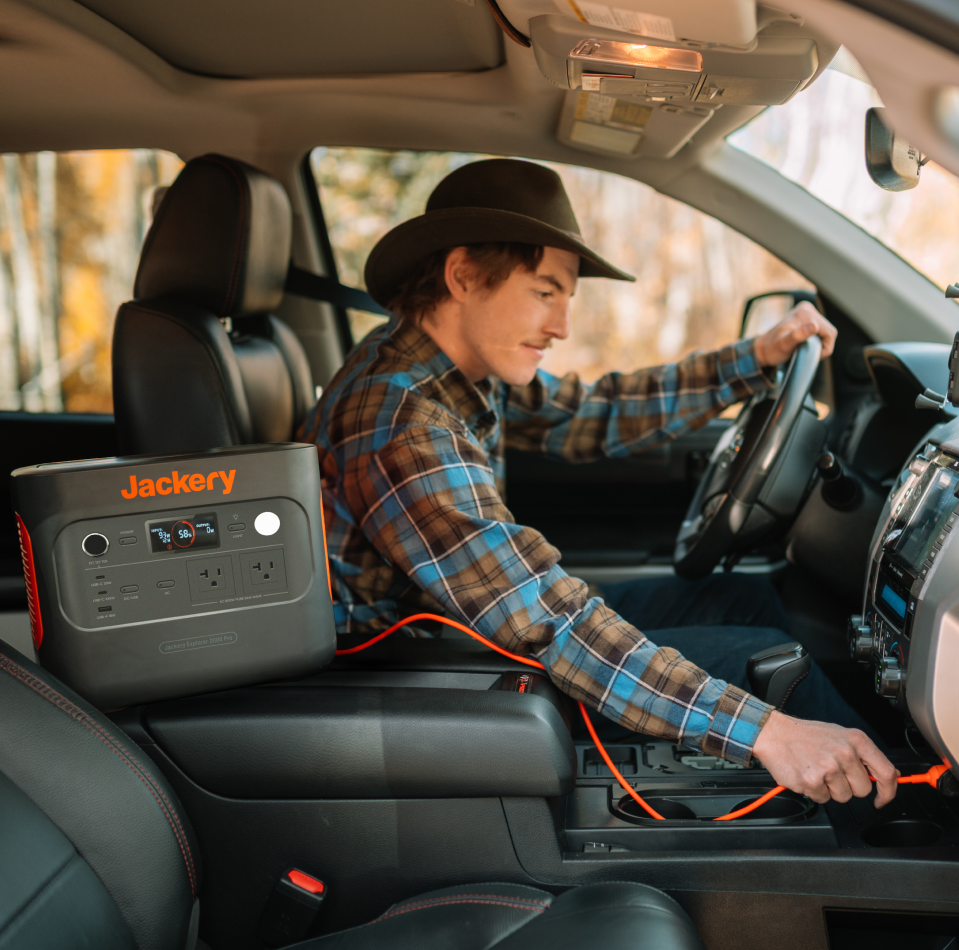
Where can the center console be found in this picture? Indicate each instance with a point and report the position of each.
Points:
(908, 632)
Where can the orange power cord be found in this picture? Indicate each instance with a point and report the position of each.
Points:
(931, 777)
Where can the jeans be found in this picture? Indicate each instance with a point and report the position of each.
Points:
(718, 623)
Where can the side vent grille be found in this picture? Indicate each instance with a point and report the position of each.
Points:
(30, 578)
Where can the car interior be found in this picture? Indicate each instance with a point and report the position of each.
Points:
(188, 756)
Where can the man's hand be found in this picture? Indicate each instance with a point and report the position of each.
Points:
(775, 346)
(824, 761)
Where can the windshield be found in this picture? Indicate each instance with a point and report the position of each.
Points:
(818, 141)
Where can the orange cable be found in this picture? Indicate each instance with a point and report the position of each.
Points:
(931, 777)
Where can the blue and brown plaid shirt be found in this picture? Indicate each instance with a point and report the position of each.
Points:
(412, 459)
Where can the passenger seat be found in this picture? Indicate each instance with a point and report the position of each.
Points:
(199, 360)
(98, 853)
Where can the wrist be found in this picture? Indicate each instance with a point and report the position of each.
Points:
(768, 735)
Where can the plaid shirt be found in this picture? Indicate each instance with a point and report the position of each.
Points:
(412, 459)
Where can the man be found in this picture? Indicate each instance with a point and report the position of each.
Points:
(412, 433)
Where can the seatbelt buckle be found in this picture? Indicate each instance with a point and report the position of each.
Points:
(292, 908)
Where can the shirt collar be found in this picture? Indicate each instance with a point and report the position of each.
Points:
(472, 402)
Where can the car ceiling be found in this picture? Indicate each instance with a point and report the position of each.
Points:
(261, 80)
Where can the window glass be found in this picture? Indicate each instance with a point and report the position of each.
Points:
(818, 141)
(71, 227)
(693, 273)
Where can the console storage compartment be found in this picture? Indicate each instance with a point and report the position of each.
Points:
(365, 742)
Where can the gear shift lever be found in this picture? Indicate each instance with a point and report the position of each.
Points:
(774, 673)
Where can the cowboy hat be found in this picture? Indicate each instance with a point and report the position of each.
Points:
(499, 199)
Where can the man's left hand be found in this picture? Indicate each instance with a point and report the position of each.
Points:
(775, 346)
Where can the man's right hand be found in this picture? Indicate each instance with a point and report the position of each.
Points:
(824, 761)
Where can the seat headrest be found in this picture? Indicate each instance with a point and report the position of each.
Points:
(220, 239)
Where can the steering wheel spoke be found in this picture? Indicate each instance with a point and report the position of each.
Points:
(721, 518)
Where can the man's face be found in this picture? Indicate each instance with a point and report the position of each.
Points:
(507, 331)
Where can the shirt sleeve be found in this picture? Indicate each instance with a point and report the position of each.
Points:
(625, 413)
(430, 507)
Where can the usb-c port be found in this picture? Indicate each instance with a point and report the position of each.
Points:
(103, 610)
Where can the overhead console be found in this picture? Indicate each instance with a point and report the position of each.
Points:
(644, 77)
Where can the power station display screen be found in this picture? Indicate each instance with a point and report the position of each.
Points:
(200, 531)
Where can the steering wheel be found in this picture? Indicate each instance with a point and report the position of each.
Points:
(725, 514)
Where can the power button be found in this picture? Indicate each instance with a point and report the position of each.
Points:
(95, 545)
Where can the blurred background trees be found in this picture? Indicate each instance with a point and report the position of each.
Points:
(71, 227)
(72, 224)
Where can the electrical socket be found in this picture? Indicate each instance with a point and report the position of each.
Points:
(211, 577)
(263, 571)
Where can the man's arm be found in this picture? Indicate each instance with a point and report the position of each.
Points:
(428, 502)
(623, 413)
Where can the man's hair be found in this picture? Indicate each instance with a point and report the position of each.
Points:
(425, 287)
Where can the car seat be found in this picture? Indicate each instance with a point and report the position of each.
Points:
(199, 361)
(97, 852)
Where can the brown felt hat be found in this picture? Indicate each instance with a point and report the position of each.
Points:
(500, 199)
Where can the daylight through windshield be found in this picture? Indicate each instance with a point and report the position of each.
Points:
(817, 140)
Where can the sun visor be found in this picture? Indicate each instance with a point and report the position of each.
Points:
(707, 22)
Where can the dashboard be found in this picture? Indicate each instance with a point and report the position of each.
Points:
(908, 632)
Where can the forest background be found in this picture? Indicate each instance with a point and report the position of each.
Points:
(72, 225)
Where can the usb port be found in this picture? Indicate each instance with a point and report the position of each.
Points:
(103, 610)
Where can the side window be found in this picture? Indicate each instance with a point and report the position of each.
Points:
(71, 227)
(693, 272)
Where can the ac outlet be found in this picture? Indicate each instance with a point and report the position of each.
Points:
(263, 572)
(211, 578)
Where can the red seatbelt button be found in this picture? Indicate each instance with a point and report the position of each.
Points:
(304, 881)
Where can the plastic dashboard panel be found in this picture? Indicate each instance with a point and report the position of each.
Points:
(927, 649)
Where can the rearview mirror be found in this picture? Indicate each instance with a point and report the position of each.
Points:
(892, 163)
(764, 311)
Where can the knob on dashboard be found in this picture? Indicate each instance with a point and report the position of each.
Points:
(860, 638)
(889, 678)
(95, 545)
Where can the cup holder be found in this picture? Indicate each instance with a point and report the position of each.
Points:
(779, 807)
(903, 833)
(701, 804)
(668, 809)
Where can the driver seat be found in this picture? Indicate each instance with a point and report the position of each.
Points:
(97, 852)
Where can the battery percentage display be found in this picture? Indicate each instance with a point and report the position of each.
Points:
(198, 532)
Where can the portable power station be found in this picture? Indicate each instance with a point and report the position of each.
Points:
(150, 577)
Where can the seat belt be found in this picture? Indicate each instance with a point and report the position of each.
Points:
(303, 283)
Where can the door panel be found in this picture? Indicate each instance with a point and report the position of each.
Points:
(613, 512)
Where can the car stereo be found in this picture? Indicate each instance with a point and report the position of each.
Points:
(909, 629)
(154, 577)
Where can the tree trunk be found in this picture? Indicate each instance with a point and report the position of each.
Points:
(50, 388)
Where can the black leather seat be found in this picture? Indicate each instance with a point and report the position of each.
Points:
(199, 361)
(96, 852)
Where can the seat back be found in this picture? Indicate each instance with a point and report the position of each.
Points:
(199, 361)
(96, 850)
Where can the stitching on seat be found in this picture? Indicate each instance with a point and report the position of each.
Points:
(244, 226)
(64, 705)
(442, 902)
(40, 892)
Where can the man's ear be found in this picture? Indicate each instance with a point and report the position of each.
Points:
(460, 274)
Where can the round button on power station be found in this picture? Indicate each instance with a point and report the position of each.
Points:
(95, 545)
(266, 523)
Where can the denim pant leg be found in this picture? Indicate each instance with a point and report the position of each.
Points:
(739, 600)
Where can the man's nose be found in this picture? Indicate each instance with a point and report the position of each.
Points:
(558, 326)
